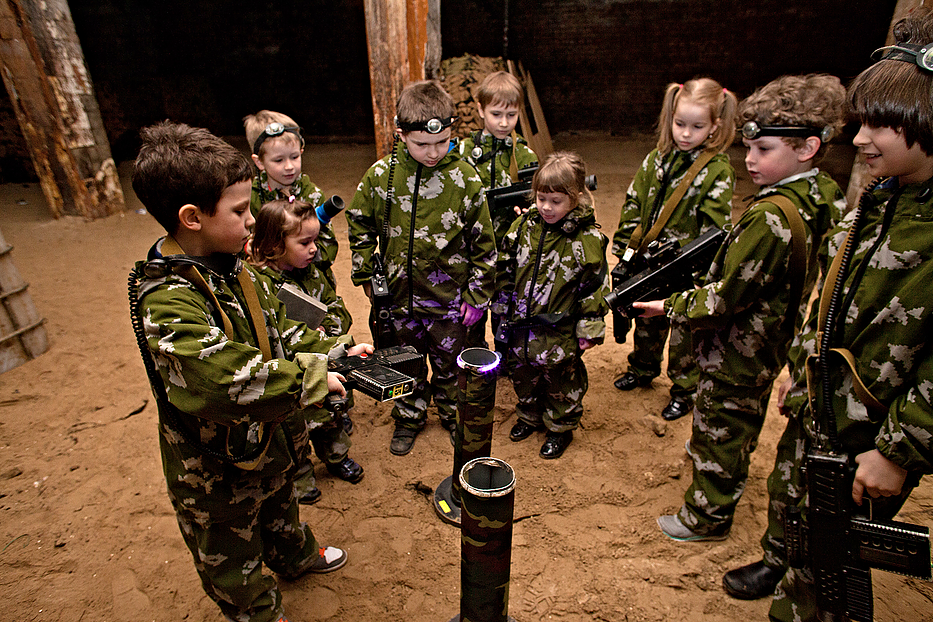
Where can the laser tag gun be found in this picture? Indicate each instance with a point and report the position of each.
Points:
(386, 374)
(505, 198)
(380, 319)
(329, 208)
(841, 546)
(670, 268)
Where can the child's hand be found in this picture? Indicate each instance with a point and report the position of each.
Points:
(652, 308)
(360, 348)
(335, 383)
(519, 211)
(783, 390)
(877, 476)
(470, 314)
(368, 290)
(585, 344)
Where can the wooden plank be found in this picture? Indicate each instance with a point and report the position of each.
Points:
(22, 331)
(531, 120)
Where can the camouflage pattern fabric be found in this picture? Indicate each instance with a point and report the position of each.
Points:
(741, 338)
(233, 520)
(552, 288)
(305, 190)
(886, 327)
(707, 203)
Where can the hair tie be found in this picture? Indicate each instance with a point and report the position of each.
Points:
(291, 198)
(680, 86)
(724, 90)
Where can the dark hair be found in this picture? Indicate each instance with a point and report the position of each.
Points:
(276, 221)
(897, 94)
(179, 165)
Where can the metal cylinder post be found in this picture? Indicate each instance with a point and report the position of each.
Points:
(488, 503)
(477, 399)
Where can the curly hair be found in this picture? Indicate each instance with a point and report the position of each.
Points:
(720, 102)
(897, 94)
(276, 221)
(813, 100)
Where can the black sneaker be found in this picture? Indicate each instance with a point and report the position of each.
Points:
(402, 440)
(347, 469)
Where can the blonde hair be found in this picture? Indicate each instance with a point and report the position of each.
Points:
(255, 125)
(564, 172)
(276, 221)
(423, 101)
(720, 102)
(500, 87)
(813, 100)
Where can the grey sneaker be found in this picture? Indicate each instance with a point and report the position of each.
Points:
(675, 530)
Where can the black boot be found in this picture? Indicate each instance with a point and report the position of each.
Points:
(753, 581)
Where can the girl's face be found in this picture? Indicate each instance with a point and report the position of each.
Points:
(300, 247)
(691, 124)
(553, 206)
(886, 154)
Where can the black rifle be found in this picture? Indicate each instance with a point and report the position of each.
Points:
(380, 319)
(670, 269)
(506, 198)
(841, 546)
(385, 374)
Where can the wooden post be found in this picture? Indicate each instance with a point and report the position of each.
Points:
(47, 80)
(403, 37)
(860, 177)
(22, 333)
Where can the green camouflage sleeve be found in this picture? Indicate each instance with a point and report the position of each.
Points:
(363, 229)
(591, 254)
(716, 181)
(632, 210)
(483, 255)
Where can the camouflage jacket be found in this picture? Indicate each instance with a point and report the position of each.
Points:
(552, 284)
(706, 204)
(887, 327)
(305, 190)
(310, 280)
(737, 317)
(440, 250)
(220, 386)
(496, 171)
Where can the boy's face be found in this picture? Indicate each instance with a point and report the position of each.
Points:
(769, 160)
(427, 148)
(886, 154)
(300, 247)
(553, 206)
(281, 160)
(691, 125)
(499, 118)
(227, 229)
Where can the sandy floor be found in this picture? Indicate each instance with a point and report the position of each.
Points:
(87, 532)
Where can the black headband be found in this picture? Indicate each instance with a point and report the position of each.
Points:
(752, 130)
(431, 126)
(921, 55)
(277, 129)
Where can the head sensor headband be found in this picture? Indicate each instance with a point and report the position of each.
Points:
(752, 130)
(921, 55)
(277, 129)
(431, 126)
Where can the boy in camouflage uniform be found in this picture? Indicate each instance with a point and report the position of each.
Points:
(277, 146)
(227, 400)
(494, 151)
(884, 320)
(744, 318)
(552, 287)
(437, 244)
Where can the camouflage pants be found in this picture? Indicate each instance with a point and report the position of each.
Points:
(726, 423)
(442, 341)
(330, 442)
(552, 396)
(229, 552)
(648, 352)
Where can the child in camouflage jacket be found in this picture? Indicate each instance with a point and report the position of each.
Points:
(423, 210)
(552, 287)
(231, 432)
(743, 318)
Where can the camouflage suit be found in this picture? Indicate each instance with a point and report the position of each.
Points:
(741, 338)
(330, 441)
(234, 520)
(305, 190)
(887, 328)
(439, 254)
(552, 287)
(706, 204)
(494, 167)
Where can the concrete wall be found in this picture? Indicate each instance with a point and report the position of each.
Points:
(597, 64)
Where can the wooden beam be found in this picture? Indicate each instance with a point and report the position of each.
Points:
(403, 37)
(46, 78)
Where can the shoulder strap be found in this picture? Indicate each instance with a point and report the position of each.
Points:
(513, 164)
(798, 250)
(636, 242)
